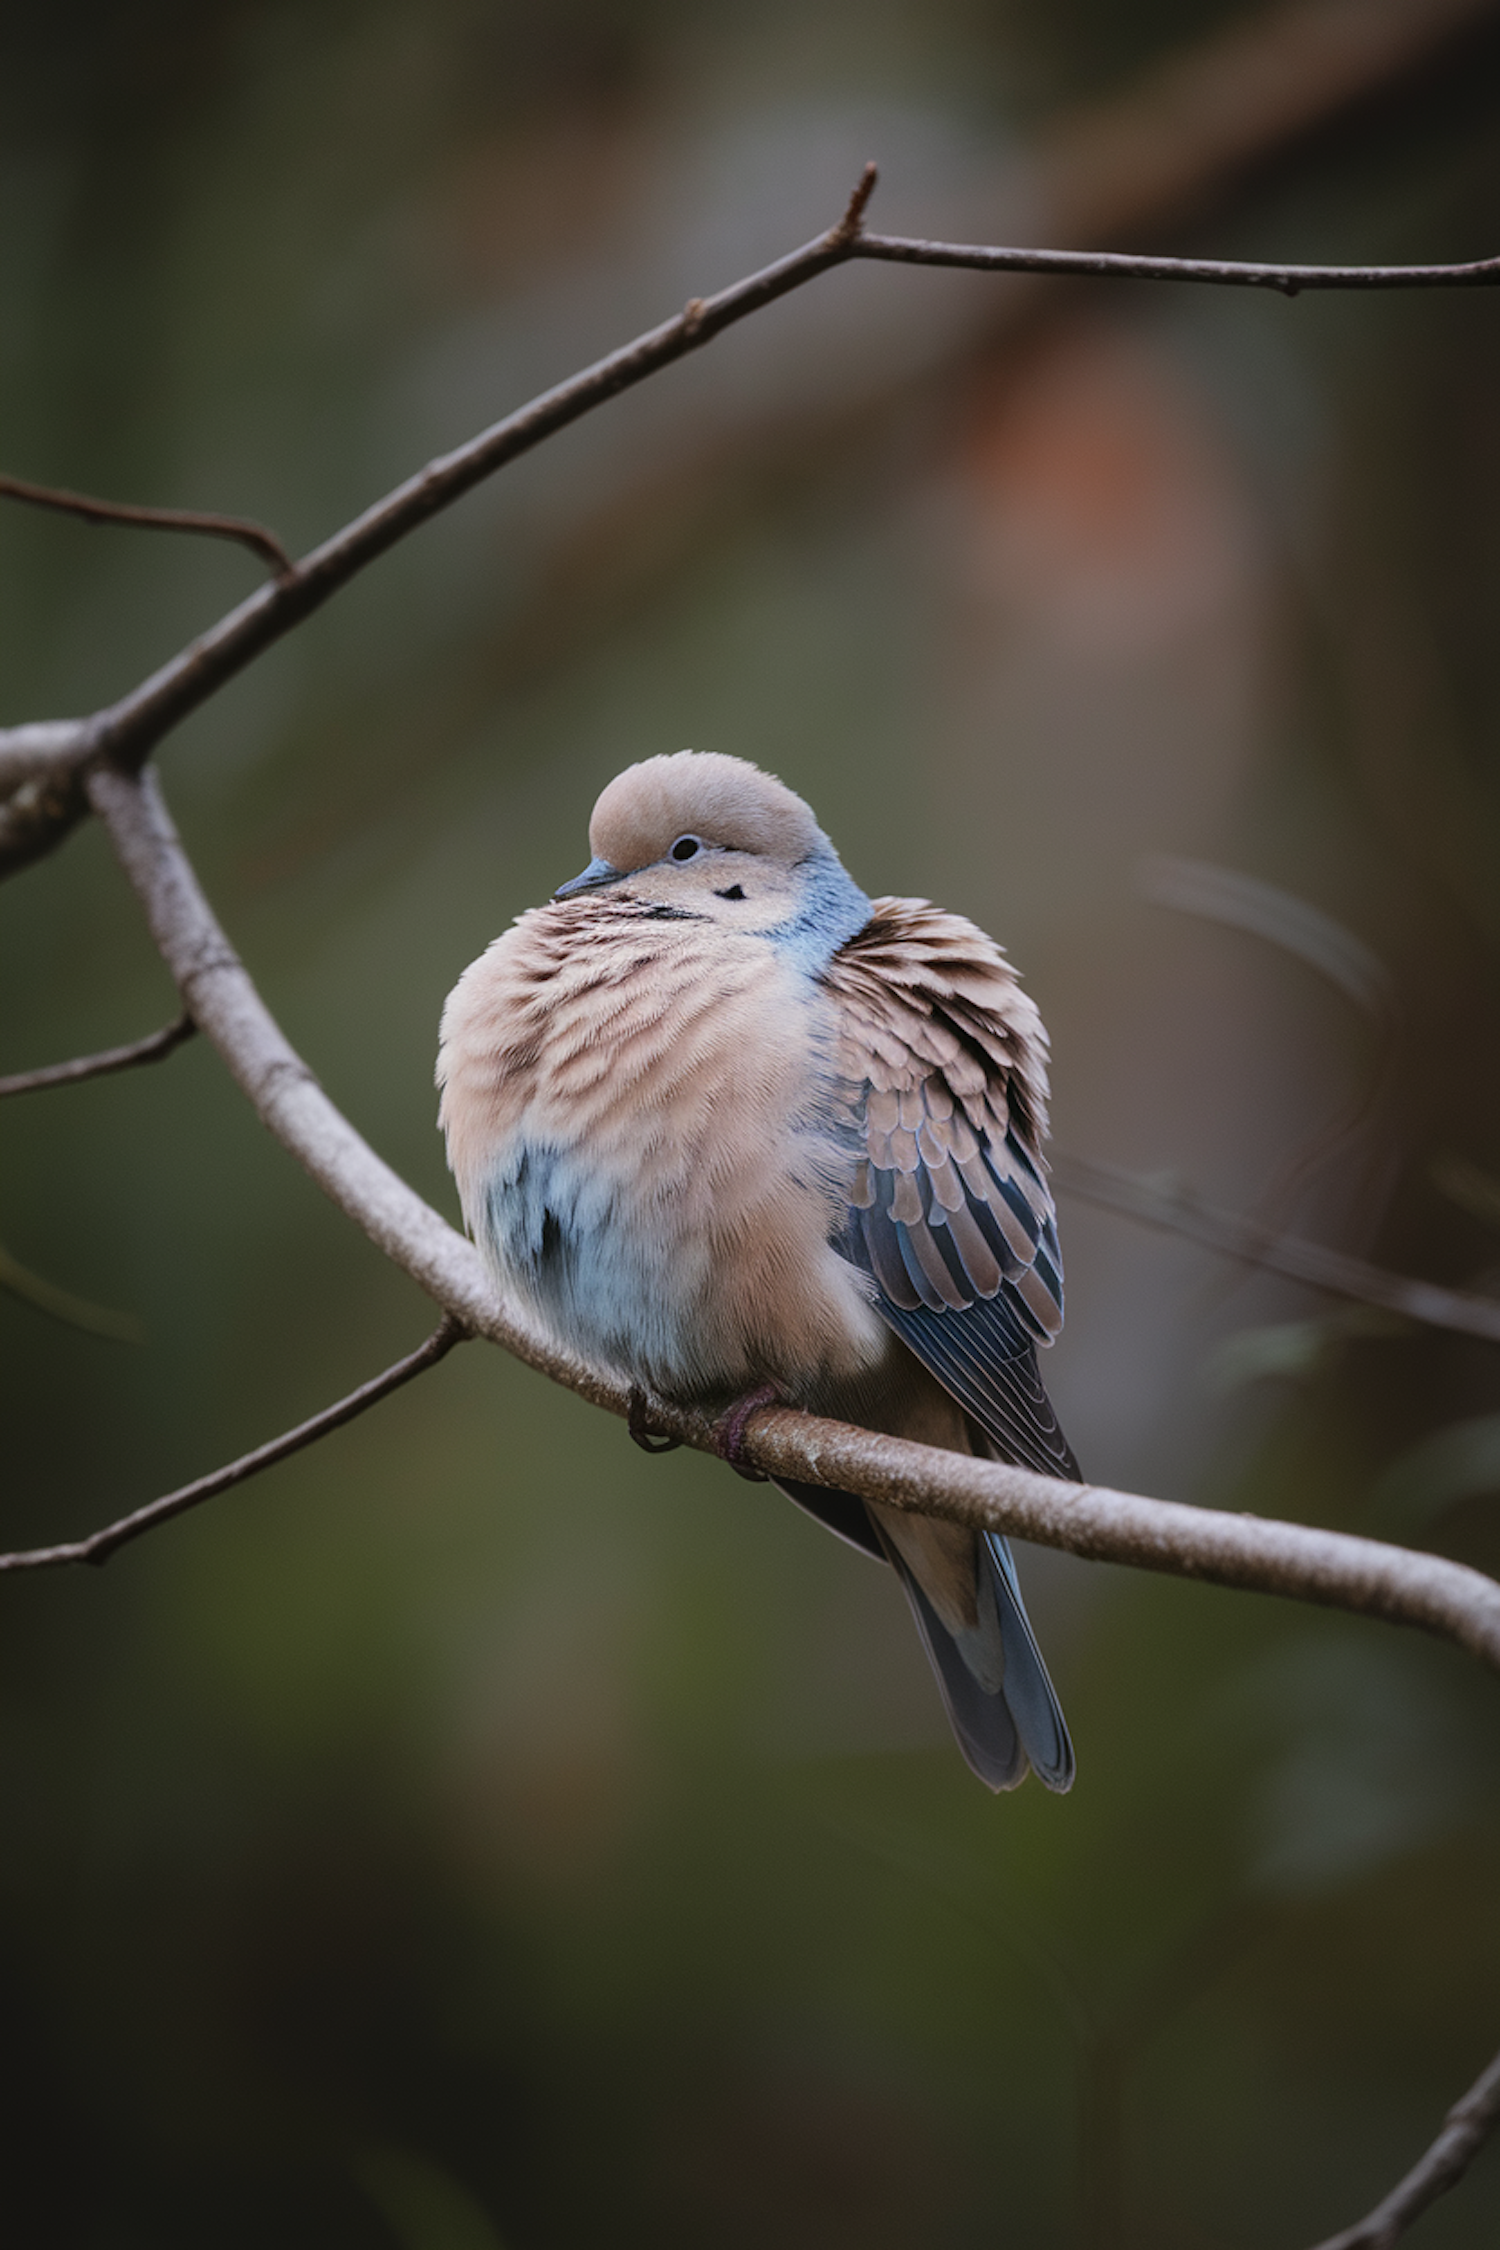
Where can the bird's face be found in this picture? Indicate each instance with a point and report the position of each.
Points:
(745, 890)
(715, 838)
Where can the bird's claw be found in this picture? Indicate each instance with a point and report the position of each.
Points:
(729, 1433)
(638, 1423)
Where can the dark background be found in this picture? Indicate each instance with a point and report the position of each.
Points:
(474, 1833)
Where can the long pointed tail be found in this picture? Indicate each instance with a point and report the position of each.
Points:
(1005, 1731)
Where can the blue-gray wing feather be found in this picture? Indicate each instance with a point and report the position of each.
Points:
(944, 1059)
(950, 1213)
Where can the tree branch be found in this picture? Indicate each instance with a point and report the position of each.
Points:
(153, 1048)
(1466, 2128)
(1234, 1237)
(130, 729)
(100, 1545)
(127, 731)
(255, 536)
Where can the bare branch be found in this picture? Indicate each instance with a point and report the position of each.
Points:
(100, 1545)
(153, 1048)
(230, 1013)
(1330, 1568)
(1111, 265)
(1234, 1237)
(255, 536)
(1466, 2128)
(130, 730)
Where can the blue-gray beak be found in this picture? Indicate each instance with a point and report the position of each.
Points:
(594, 877)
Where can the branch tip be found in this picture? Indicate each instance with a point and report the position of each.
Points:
(255, 536)
(849, 225)
(98, 1546)
(153, 1048)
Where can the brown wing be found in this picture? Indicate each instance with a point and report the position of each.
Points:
(950, 1211)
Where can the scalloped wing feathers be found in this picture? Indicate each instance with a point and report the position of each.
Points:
(950, 1211)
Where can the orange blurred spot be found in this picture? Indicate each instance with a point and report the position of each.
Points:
(1104, 503)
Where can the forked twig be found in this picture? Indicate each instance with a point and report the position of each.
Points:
(153, 1048)
(239, 528)
(129, 730)
(100, 1545)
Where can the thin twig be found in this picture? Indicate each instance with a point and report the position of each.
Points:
(1330, 1568)
(1225, 273)
(100, 1545)
(153, 1048)
(130, 730)
(851, 225)
(255, 536)
(1466, 2128)
(1289, 1254)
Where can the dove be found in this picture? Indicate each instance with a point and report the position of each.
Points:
(733, 1131)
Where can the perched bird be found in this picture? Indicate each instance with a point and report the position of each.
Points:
(736, 1131)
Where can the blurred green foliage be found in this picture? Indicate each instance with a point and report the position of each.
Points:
(474, 1833)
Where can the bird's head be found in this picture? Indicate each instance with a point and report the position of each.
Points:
(716, 838)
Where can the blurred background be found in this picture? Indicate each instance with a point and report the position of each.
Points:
(474, 1834)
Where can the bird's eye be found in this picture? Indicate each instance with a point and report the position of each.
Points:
(687, 847)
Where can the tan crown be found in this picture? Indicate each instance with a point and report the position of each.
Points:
(725, 801)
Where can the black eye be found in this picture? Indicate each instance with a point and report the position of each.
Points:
(686, 847)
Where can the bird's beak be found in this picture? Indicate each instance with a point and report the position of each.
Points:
(594, 877)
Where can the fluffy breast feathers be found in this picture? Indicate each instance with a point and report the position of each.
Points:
(663, 1133)
(649, 1141)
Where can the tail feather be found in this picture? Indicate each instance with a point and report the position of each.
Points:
(1028, 1687)
(983, 1724)
(840, 1512)
(1003, 1732)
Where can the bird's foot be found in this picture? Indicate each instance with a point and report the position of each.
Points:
(638, 1423)
(729, 1432)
